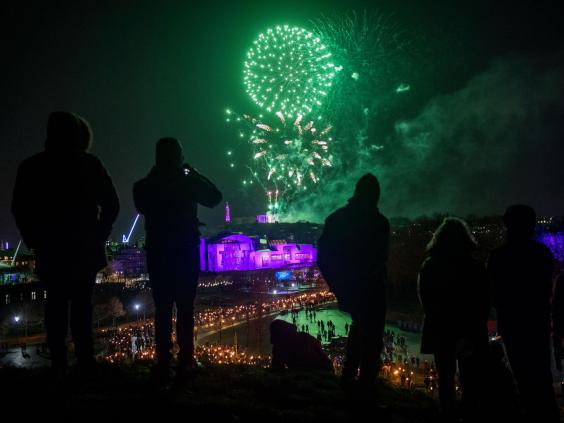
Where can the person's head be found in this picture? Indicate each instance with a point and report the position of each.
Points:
(63, 132)
(452, 237)
(169, 153)
(86, 134)
(367, 188)
(520, 221)
(281, 331)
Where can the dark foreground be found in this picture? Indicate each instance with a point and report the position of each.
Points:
(218, 393)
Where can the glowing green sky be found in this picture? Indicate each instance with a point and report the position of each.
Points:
(171, 68)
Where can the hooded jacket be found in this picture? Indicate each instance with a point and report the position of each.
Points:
(64, 204)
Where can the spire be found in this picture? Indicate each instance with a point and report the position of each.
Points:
(227, 213)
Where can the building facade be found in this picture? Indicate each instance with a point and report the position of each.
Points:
(240, 252)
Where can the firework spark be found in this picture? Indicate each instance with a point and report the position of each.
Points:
(370, 50)
(289, 155)
(288, 71)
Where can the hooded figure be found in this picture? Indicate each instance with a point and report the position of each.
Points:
(296, 350)
(353, 250)
(65, 204)
(521, 271)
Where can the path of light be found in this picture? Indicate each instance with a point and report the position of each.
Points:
(16, 253)
(125, 239)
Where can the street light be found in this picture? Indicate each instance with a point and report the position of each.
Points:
(17, 319)
(137, 308)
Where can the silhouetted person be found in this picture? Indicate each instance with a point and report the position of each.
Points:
(521, 271)
(558, 325)
(65, 203)
(453, 290)
(168, 198)
(353, 250)
(558, 320)
(296, 350)
(502, 402)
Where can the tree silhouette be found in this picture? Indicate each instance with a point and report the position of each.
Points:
(115, 309)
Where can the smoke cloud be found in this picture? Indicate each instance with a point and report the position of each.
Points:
(495, 141)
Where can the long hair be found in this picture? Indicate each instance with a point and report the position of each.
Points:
(86, 135)
(452, 237)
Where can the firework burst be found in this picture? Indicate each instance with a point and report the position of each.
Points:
(345, 71)
(289, 155)
(288, 70)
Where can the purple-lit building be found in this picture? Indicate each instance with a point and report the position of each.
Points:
(130, 262)
(267, 218)
(226, 252)
(554, 241)
(241, 252)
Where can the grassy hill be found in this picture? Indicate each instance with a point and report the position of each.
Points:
(218, 393)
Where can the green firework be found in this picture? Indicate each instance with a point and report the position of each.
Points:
(288, 70)
(289, 156)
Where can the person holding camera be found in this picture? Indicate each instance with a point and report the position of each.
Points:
(168, 198)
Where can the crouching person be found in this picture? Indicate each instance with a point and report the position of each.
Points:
(296, 350)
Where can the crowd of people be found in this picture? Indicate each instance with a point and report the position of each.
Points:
(454, 287)
(395, 347)
(289, 303)
(325, 330)
(135, 344)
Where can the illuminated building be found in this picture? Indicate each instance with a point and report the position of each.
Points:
(241, 252)
(555, 242)
(267, 218)
(130, 262)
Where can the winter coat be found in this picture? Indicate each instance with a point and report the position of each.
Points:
(65, 204)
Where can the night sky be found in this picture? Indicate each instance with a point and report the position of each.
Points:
(487, 93)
